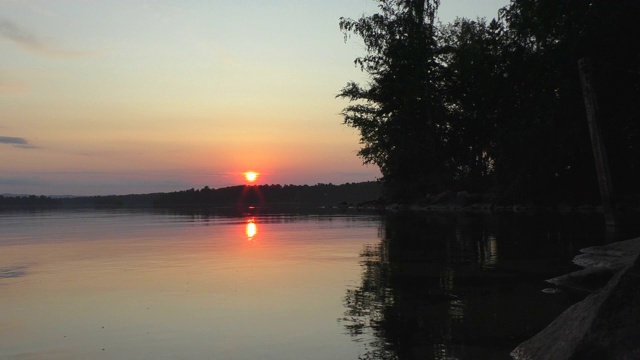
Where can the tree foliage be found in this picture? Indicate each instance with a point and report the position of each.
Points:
(398, 114)
(496, 105)
(314, 195)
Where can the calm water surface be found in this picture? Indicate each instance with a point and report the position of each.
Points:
(144, 285)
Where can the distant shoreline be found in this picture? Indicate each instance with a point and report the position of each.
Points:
(359, 196)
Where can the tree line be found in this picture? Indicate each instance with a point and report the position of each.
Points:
(319, 194)
(307, 195)
(495, 106)
(28, 201)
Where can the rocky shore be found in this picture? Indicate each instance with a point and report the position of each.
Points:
(606, 324)
(463, 201)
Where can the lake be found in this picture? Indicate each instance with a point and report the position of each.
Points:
(122, 284)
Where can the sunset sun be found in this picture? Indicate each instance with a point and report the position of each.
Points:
(251, 176)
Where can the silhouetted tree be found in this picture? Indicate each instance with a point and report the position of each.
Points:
(398, 114)
(319, 194)
(497, 105)
(472, 81)
(545, 146)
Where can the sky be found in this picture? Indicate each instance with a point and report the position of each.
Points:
(140, 96)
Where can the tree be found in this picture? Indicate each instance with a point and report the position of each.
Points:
(544, 143)
(497, 106)
(472, 81)
(398, 114)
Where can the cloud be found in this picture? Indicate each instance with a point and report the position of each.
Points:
(32, 42)
(12, 272)
(11, 31)
(16, 142)
(12, 140)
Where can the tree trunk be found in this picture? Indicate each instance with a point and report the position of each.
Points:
(599, 150)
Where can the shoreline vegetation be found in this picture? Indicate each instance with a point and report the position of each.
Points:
(319, 195)
(496, 106)
(359, 196)
(504, 112)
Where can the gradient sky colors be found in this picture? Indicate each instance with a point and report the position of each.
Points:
(119, 97)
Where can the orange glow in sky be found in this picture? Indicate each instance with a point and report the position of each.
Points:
(251, 176)
(186, 65)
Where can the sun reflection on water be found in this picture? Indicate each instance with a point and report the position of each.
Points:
(251, 229)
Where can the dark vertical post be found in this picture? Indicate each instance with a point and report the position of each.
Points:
(599, 151)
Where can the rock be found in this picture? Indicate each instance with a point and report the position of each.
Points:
(605, 325)
(393, 207)
(585, 280)
(551, 290)
(445, 195)
(585, 208)
(487, 206)
(564, 207)
(599, 263)
(627, 248)
(466, 199)
(614, 256)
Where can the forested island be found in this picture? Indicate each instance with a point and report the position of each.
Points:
(246, 195)
(314, 195)
(495, 106)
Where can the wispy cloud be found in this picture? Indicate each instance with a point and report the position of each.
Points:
(16, 142)
(29, 40)
(13, 272)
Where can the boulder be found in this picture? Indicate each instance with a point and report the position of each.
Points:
(599, 263)
(605, 325)
(443, 196)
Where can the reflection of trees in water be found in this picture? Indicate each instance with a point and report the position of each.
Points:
(365, 314)
(383, 312)
(449, 287)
